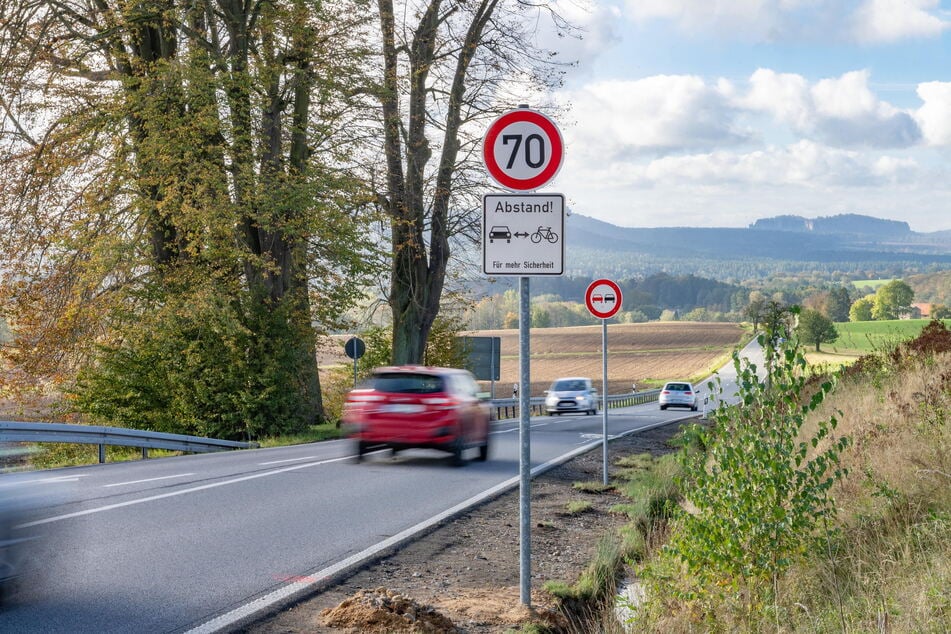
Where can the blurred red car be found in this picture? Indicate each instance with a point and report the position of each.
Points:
(418, 407)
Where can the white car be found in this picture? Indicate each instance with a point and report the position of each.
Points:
(571, 394)
(678, 394)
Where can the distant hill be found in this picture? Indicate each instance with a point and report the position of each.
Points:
(843, 224)
(848, 243)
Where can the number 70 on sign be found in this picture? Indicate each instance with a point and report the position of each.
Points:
(523, 150)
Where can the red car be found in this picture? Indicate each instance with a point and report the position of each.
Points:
(413, 406)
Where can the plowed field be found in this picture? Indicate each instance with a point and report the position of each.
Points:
(637, 353)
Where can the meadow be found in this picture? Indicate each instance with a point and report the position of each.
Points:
(872, 284)
(863, 337)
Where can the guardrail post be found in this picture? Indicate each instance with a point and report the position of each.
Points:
(145, 453)
(102, 454)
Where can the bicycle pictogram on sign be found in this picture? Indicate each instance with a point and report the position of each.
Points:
(545, 233)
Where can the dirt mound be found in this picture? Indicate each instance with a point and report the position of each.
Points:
(383, 611)
(503, 607)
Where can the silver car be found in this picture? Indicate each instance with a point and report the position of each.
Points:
(678, 394)
(571, 394)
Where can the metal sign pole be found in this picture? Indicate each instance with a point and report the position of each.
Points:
(604, 399)
(492, 368)
(525, 454)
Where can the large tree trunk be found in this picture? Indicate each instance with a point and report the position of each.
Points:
(419, 272)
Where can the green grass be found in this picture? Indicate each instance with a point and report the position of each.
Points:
(577, 507)
(315, 433)
(592, 487)
(863, 337)
(873, 284)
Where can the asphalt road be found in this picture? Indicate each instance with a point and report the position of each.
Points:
(200, 542)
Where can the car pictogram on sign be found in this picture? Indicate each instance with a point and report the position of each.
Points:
(500, 233)
(603, 298)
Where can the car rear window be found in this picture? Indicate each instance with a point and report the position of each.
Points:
(677, 387)
(406, 383)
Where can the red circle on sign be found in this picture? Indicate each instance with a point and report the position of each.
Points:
(502, 174)
(603, 298)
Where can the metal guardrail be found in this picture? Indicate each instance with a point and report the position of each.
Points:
(508, 407)
(12, 431)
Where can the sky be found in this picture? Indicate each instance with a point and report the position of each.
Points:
(714, 113)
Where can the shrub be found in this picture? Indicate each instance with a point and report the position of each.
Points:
(759, 496)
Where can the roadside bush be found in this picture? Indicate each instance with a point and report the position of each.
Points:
(199, 364)
(758, 499)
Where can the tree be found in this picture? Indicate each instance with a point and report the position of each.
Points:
(891, 300)
(754, 309)
(540, 317)
(441, 81)
(838, 305)
(861, 309)
(940, 311)
(168, 172)
(816, 328)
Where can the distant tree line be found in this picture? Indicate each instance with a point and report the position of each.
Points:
(559, 301)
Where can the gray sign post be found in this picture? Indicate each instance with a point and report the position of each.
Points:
(523, 234)
(603, 300)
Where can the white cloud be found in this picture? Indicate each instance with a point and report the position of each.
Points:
(841, 111)
(934, 117)
(804, 163)
(882, 21)
(845, 97)
(785, 96)
(656, 114)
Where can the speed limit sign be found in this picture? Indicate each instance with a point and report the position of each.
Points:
(523, 150)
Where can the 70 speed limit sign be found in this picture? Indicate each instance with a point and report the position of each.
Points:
(523, 150)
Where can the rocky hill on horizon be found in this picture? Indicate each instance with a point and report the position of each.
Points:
(847, 244)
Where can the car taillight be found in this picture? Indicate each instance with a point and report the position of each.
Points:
(364, 398)
(440, 402)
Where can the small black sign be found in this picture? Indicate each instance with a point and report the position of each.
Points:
(355, 348)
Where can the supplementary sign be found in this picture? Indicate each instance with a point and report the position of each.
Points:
(523, 234)
(523, 150)
(603, 298)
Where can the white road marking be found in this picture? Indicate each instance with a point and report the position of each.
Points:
(288, 460)
(72, 478)
(152, 498)
(121, 484)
